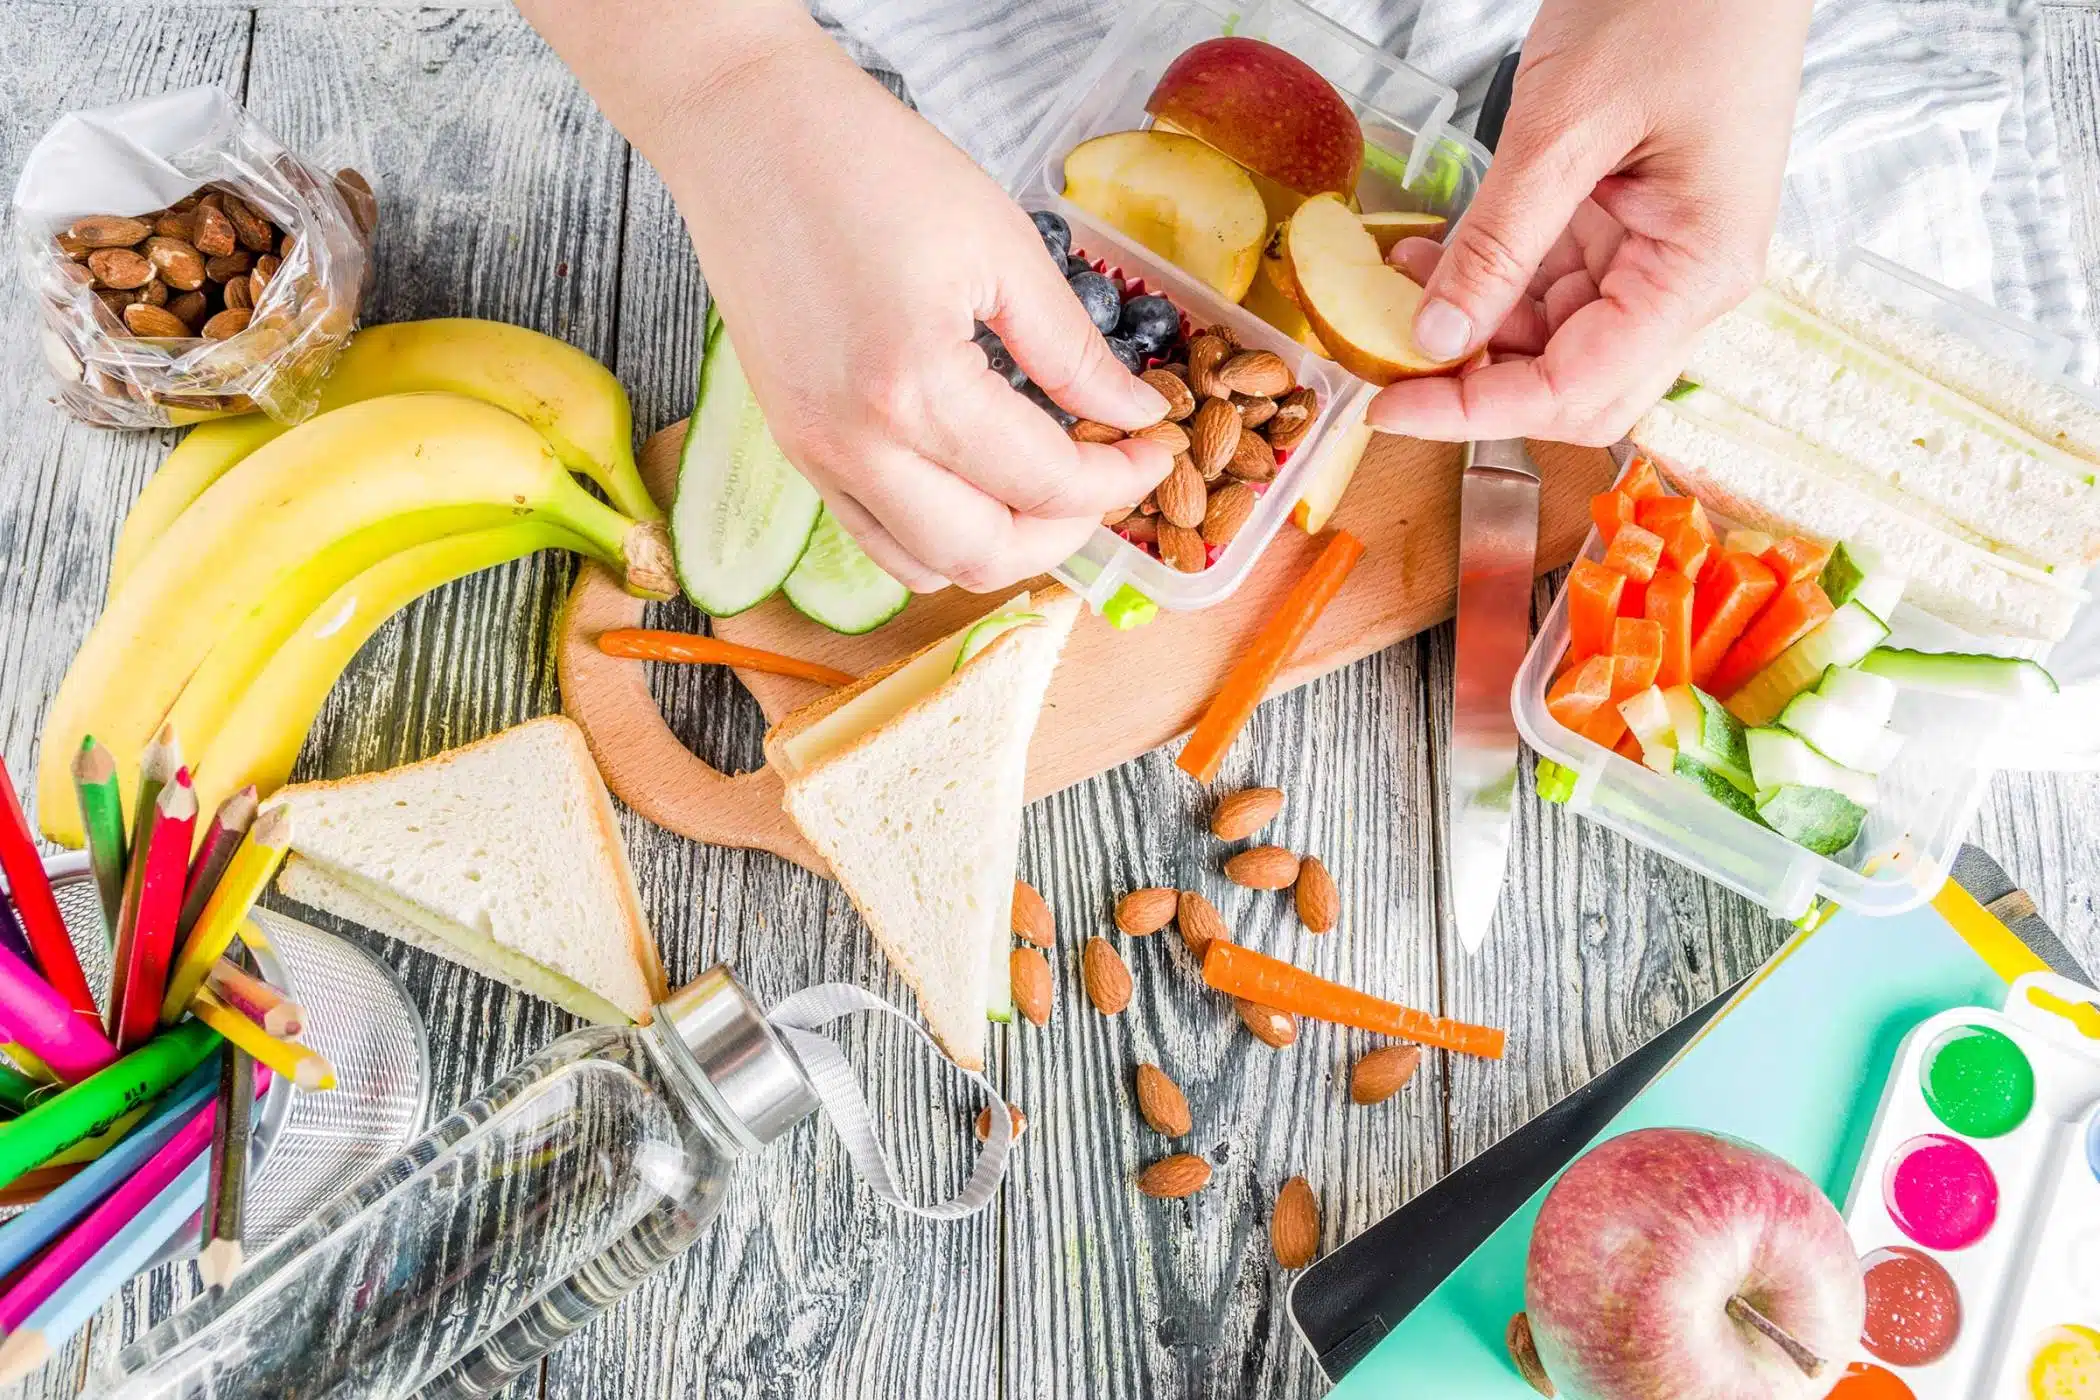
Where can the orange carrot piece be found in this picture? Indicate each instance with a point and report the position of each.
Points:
(1728, 596)
(1581, 692)
(1605, 727)
(1660, 512)
(1633, 599)
(1609, 510)
(1636, 655)
(1634, 552)
(1256, 670)
(1242, 972)
(1795, 558)
(1593, 602)
(1685, 549)
(1791, 615)
(1669, 605)
(1628, 747)
(1640, 480)
(645, 644)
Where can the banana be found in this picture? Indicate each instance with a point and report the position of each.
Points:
(257, 731)
(574, 402)
(376, 478)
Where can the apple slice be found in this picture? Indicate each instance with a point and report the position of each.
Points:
(1267, 109)
(1361, 307)
(1267, 301)
(1395, 224)
(1177, 196)
(1316, 507)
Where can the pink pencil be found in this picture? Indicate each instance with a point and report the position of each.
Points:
(45, 1024)
(100, 1225)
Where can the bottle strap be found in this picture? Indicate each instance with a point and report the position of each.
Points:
(798, 1018)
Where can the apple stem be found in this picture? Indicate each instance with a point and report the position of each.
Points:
(1811, 1364)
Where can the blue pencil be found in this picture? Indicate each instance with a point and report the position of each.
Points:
(45, 1221)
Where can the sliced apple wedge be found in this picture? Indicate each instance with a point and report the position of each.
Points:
(1361, 307)
(1266, 300)
(1393, 225)
(1177, 196)
(1316, 507)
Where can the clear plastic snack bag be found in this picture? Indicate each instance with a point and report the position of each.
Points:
(185, 264)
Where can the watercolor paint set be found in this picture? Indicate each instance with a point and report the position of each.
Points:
(1976, 1206)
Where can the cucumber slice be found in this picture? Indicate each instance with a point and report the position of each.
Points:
(1843, 735)
(1824, 821)
(1660, 757)
(838, 585)
(1648, 716)
(743, 515)
(1873, 697)
(1780, 758)
(1708, 734)
(1718, 786)
(1858, 574)
(1839, 640)
(1961, 673)
(991, 630)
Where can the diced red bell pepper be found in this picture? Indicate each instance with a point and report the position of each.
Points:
(1791, 615)
(1640, 479)
(1728, 595)
(1634, 552)
(1610, 510)
(1795, 558)
(1636, 653)
(1669, 605)
(1660, 513)
(1685, 549)
(1577, 696)
(1593, 604)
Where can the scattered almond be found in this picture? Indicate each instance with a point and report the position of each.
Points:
(1031, 916)
(1171, 1178)
(1141, 529)
(1161, 1103)
(1200, 923)
(265, 268)
(1214, 435)
(1116, 515)
(153, 322)
(1270, 1026)
(108, 230)
(1383, 1072)
(154, 293)
(212, 232)
(1207, 352)
(1147, 910)
(239, 294)
(251, 228)
(1174, 389)
(1181, 496)
(1257, 373)
(1106, 977)
(227, 266)
(1014, 1116)
(1524, 1352)
(189, 309)
(1231, 506)
(1029, 971)
(1253, 459)
(1253, 411)
(1319, 902)
(1294, 1225)
(1239, 815)
(1262, 868)
(72, 247)
(171, 224)
(1166, 434)
(226, 325)
(1087, 430)
(178, 264)
(1182, 548)
(1294, 415)
(119, 269)
(1227, 334)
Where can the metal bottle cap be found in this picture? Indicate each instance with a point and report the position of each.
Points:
(759, 1082)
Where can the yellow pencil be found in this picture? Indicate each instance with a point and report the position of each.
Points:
(246, 875)
(295, 1062)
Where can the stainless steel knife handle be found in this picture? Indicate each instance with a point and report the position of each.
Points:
(1500, 454)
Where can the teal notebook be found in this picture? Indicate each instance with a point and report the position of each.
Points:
(1796, 1064)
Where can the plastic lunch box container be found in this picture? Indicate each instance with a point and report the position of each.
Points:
(1929, 796)
(1417, 163)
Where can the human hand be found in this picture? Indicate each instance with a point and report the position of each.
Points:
(1631, 201)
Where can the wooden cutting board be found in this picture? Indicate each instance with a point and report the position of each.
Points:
(1116, 694)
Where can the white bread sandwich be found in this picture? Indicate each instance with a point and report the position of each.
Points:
(910, 783)
(503, 856)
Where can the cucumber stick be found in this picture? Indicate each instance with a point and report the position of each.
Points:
(838, 585)
(1839, 640)
(1961, 673)
(743, 515)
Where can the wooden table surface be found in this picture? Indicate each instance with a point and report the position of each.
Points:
(506, 195)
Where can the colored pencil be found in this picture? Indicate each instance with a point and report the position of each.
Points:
(56, 1212)
(31, 1187)
(68, 1043)
(226, 1193)
(158, 765)
(245, 879)
(164, 866)
(102, 818)
(90, 1106)
(295, 1062)
(17, 1056)
(11, 936)
(229, 825)
(15, 1088)
(257, 1000)
(90, 1149)
(42, 923)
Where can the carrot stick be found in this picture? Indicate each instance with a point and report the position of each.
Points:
(1256, 670)
(1242, 972)
(644, 644)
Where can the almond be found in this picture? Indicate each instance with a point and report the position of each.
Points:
(1174, 389)
(1161, 1103)
(1206, 353)
(74, 273)
(1524, 1353)
(1031, 916)
(1171, 1178)
(1013, 1115)
(1030, 973)
(1141, 529)
(239, 294)
(1319, 902)
(72, 247)
(1117, 515)
(1182, 548)
(286, 244)
(1253, 412)
(1270, 1026)
(1239, 815)
(189, 309)
(1227, 334)
(108, 231)
(227, 266)
(1107, 979)
(1258, 373)
(172, 224)
(1146, 911)
(154, 293)
(1383, 1072)
(1214, 435)
(179, 265)
(1167, 435)
(1294, 414)
(1231, 506)
(1087, 430)
(1262, 868)
(254, 231)
(357, 193)
(209, 199)
(265, 268)
(1294, 1226)
(226, 325)
(1253, 459)
(211, 231)
(1183, 499)
(1200, 922)
(119, 269)
(153, 322)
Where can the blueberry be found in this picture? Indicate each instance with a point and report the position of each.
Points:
(996, 355)
(1150, 322)
(1100, 298)
(1075, 265)
(1049, 406)
(1131, 357)
(1057, 234)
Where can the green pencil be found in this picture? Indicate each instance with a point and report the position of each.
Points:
(102, 818)
(98, 1101)
(15, 1088)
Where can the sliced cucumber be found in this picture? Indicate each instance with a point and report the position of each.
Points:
(991, 630)
(1780, 758)
(838, 585)
(1845, 736)
(1873, 697)
(1858, 574)
(1824, 821)
(743, 515)
(1839, 640)
(1961, 673)
(1648, 716)
(1708, 734)
(1716, 785)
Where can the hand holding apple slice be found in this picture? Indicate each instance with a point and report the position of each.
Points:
(1361, 307)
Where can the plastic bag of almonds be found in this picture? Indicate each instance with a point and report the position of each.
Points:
(185, 264)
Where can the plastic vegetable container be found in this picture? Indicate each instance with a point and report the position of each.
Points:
(1417, 162)
(1929, 796)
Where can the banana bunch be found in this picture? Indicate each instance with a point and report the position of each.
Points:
(261, 557)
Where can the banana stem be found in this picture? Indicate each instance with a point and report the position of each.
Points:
(640, 550)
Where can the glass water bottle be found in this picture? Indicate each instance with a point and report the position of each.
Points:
(512, 1223)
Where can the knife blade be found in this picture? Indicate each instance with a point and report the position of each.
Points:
(1498, 545)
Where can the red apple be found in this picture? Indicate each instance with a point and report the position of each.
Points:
(1681, 1264)
(1268, 110)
